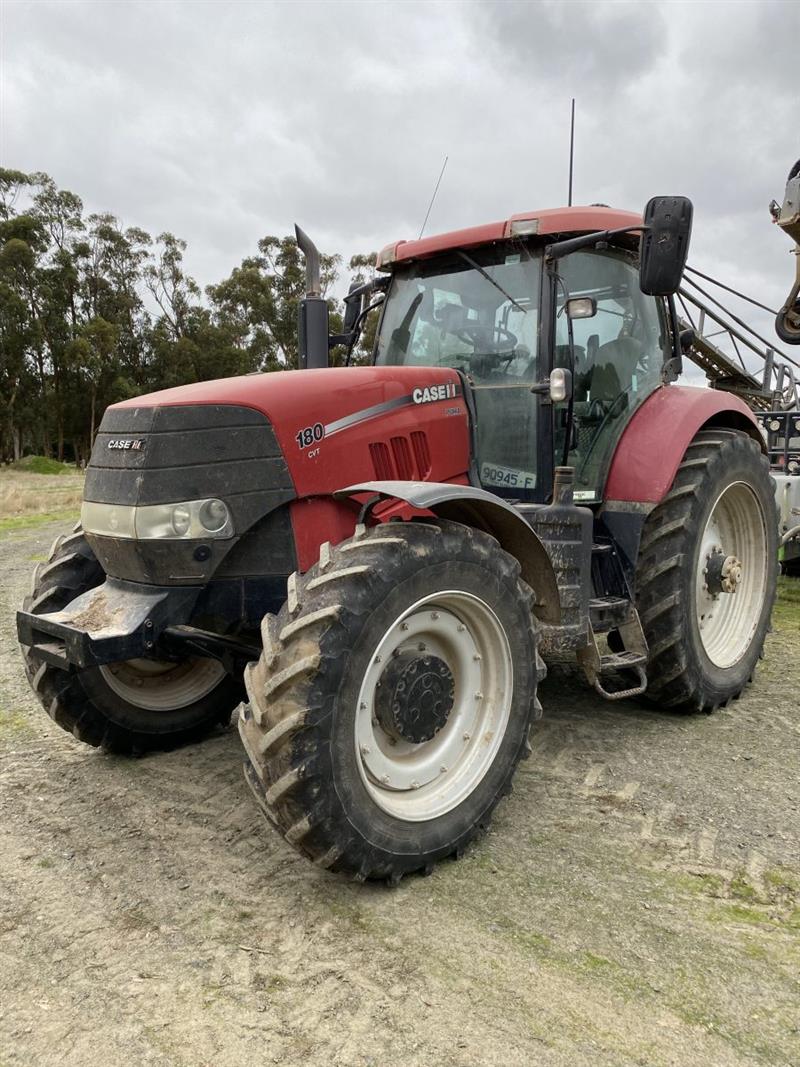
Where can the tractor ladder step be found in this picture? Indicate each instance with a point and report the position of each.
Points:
(621, 661)
(608, 612)
(599, 666)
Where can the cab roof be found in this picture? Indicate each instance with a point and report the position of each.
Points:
(559, 220)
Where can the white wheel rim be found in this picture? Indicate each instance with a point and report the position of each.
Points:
(415, 782)
(161, 686)
(727, 621)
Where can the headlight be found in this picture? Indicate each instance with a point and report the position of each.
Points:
(181, 520)
(189, 520)
(213, 515)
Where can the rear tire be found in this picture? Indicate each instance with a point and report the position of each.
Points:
(704, 643)
(126, 708)
(337, 779)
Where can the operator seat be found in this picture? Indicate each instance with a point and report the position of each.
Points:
(614, 368)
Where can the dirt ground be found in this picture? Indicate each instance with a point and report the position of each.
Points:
(637, 900)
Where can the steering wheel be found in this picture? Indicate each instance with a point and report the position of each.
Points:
(472, 334)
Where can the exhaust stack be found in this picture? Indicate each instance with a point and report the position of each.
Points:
(312, 317)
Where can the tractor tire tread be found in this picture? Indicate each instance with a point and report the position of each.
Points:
(287, 710)
(675, 680)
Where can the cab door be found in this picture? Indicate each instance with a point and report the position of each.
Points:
(619, 356)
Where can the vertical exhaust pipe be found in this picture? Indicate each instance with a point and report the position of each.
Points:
(312, 318)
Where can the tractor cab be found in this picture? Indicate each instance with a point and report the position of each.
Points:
(557, 350)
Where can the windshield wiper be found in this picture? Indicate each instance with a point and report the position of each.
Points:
(489, 278)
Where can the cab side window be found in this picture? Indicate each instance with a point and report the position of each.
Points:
(619, 355)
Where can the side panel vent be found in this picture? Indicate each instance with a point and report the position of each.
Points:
(402, 458)
(381, 461)
(422, 455)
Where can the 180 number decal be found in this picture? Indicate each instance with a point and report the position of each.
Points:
(310, 435)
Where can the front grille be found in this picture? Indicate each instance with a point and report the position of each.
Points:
(159, 455)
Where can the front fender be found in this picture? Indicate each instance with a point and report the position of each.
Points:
(483, 511)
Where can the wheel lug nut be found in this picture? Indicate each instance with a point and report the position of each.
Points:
(461, 627)
(365, 750)
(466, 736)
(477, 658)
(434, 615)
(415, 784)
(385, 779)
(479, 696)
(421, 646)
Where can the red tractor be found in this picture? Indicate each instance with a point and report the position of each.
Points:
(380, 559)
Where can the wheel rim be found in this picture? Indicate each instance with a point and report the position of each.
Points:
(731, 574)
(162, 686)
(419, 781)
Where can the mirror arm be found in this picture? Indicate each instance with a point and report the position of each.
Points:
(587, 240)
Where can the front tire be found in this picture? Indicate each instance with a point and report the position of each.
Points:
(393, 699)
(707, 573)
(125, 707)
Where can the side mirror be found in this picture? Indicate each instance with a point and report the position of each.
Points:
(664, 244)
(352, 307)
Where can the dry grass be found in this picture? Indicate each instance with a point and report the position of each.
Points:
(23, 494)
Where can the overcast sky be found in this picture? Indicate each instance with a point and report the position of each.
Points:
(223, 122)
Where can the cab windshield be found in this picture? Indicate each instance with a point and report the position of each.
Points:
(478, 312)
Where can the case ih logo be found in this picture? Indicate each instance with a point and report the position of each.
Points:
(434, 392)
(126, 444)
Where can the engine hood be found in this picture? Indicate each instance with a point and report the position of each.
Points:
(325, 420)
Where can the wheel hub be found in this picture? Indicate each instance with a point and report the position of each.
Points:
(414, 696)
(723, 573)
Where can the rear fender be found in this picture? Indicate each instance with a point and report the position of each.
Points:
(483, 511)
(655, 440)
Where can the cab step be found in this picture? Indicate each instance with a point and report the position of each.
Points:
(600, 667)
(608, 612)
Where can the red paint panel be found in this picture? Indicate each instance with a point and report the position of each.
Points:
(296, 400)
(655, 440)
(551, 221)
(317, 520)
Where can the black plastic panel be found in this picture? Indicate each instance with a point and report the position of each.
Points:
(161, 455)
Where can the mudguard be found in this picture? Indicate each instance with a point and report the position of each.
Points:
(477, 507)
(656, 438)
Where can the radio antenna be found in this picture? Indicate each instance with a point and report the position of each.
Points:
(571, 149)
(435, 191)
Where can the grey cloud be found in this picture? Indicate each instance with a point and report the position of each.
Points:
(226, 121)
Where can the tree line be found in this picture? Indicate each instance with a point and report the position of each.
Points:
(92, 312)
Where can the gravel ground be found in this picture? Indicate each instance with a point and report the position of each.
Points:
(637, 900)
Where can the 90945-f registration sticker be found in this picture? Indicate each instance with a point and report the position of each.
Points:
(507, 477)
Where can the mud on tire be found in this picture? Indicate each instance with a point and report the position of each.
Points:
(299, 729)
(81, 701)
(680, 672)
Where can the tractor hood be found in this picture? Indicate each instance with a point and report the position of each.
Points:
(320, 418)
(244, 448)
